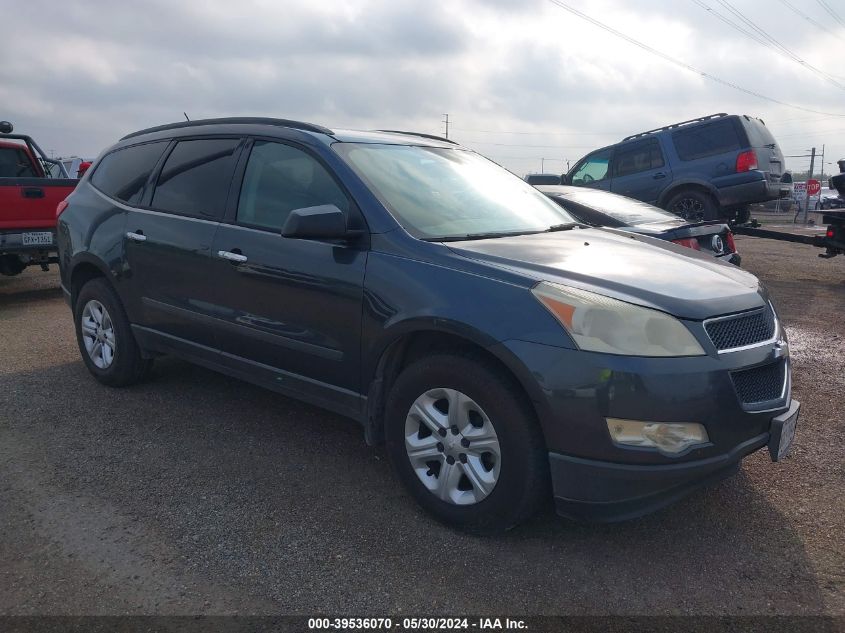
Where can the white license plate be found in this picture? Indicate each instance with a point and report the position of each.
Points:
(37, 239)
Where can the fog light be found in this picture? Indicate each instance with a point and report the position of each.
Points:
(667, 437)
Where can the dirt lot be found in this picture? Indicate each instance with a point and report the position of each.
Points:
(196, 493)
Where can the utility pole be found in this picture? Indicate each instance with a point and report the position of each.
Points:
(446, 121)
(821, 171)
(542, 165)
(809, 178)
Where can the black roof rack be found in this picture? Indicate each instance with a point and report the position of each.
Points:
(433, 137)
(674, 125)
(297, 125)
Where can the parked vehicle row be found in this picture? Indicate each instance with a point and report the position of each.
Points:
(500, 348)
(708, 168)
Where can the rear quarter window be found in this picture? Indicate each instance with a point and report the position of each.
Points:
(123, 173)
(705, 140)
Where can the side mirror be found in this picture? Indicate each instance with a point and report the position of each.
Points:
(323, 222)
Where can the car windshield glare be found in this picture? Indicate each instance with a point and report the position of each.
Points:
(624, 209)
(439, 193)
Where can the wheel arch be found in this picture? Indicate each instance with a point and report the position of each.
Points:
(409, 344)
(83, 270)
(696, 185)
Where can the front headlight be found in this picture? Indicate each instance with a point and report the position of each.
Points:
(602, 324)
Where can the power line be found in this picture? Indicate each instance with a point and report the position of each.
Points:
(772, 43)
(730, 23)
(832, 13)
(809, 19)
(684, 65)
(813, 134)
(544, 133)
(536, 146)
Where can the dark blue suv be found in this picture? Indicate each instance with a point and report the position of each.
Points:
(703, 169)
(497, 346)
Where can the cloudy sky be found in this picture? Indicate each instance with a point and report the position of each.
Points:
(521, 80)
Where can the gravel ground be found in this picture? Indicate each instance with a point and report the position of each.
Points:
(195, 493)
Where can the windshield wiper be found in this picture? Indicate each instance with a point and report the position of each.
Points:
(565, 227)
(478, 236)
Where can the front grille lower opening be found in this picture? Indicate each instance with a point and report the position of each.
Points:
(760, 384)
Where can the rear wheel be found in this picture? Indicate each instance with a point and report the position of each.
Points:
(465, 444)
(693, 205)
(105, 338)
(11, 265)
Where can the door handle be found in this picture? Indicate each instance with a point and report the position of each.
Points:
(32, 192)
(659, 175)
(235, 258)
(137, 236)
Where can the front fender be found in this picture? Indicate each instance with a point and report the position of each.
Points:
(403, 296)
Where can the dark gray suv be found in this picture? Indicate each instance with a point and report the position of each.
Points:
(500, 349)
(708, 168)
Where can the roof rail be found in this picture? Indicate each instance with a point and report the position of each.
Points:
(420, 134)
(674, 125)
(297, 125)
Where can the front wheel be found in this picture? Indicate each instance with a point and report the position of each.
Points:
(466, 444)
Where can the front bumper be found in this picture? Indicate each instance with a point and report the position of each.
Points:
(575, 392)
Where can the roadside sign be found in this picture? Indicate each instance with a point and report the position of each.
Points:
(799, 189)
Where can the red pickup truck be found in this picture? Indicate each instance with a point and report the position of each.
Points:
(28, 201)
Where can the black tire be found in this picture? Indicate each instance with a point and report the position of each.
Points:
(743, 215)
(523, 480)
(693, 205)
(128, 365)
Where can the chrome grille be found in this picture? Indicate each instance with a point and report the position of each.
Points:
(741, 330)
(760, 384)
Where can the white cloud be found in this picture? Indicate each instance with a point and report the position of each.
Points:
(78, 75)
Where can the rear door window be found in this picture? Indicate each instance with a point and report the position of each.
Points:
(195, 178)
(710, 139)
(637, 157)
(123, 173)
(280, 178)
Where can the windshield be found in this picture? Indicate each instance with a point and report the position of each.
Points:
(450, 193)
(624, 209)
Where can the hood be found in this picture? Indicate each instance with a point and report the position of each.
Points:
(627, 266)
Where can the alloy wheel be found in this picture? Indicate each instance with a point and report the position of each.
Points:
(98, 334)
(452, 446)
(689, 209)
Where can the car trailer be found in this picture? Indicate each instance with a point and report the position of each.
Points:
(833, 240)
